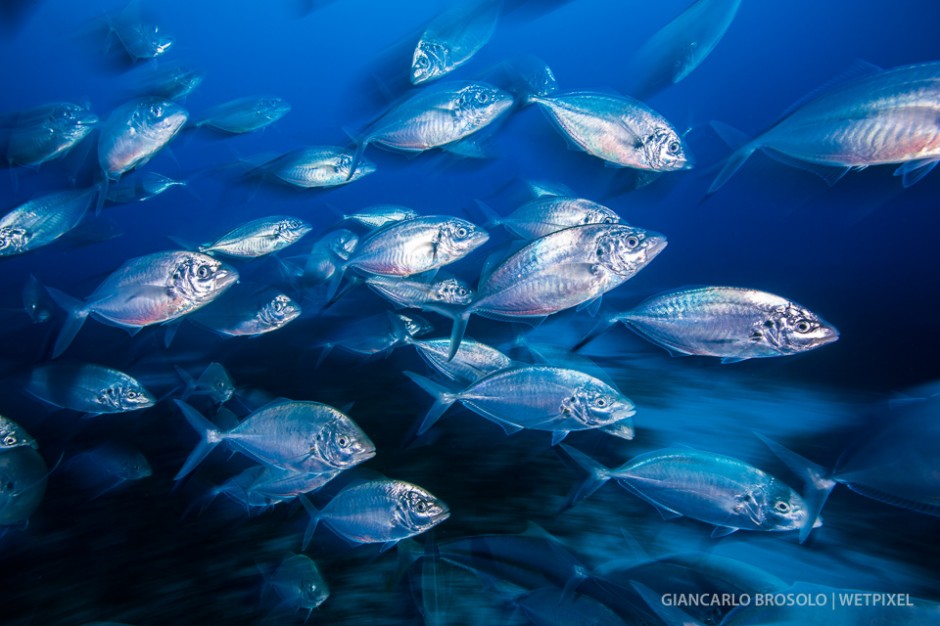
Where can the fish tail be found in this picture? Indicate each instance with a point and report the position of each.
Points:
(817, 482)
(456, 334)
(444, 397)
(102, 194)
(597, 474)
(492, 217)
(357, 157)
(314, 515)
(76, 314)
(599, 328)
(209, 437)
(189, 383)
(337, 293)
(743, 148)
(532, 79)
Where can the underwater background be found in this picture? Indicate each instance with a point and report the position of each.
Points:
(861, 253)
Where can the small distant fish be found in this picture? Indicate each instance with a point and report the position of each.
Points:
(878, 117)
(36, 302)
(88, 388)
(680, 46)
(262, 486)
(727, 322)
(320, 166)
(23, 475)
(214, 382)
(135, 132)
(381, 215)
(443, 295)
(378, 511)
(537, 397)
(140, 186)
(547, 214)
(299, 584)
(147, 290)
(453, 37)
(12, 436)
(376, 334)
(259, 237)
(174, 83)
(48, 132)
(242, 314)
(109, 466)
(245, 115)
(473, 359)
(41, 221)
(327, 258)
(305, 437)
(141, 38)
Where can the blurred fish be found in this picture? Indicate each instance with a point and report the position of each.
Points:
(261, 487)
(140, 38)
(88, 388)
(173, 83)
(48, 132)
(245, 115)
(376, 334)
(680, 46)
(12, 436)
(327, 258)
(36, 302)
(712, 488)
(536, 397)
(728, 322)
(213, 382)
(381, 215)
(378, 511)
(301, 436)
(23, 475)
(453, 37)
(565, 269)
(472, 361)
(242, 314)
(299, 584)
(319, 166)
(444, 295)
(874, 117)
(108, 466)
(549, 213)
(140, 186)
(147, 290)
(41, 221)
(259, 237)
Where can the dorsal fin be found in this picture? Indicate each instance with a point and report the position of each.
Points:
(856, 69)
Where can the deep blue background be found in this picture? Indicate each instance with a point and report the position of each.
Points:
(862, 254)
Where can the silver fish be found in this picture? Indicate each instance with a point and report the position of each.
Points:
(88, 388)
(299, 584)
(140, 186)
(151, 289)
(141, 39)
(417, 245)
(12, 435)
(262, 487)
(548, 214)
(712, 488)
(23, 475)
(377, 334)
(36, 302)
(213, 382)
(728, 322)
(381, 215)
(444, 295)
(48, 132)
(41, 221)
(307, 437)
(473, 360)
(537, 397)
(378, 511)
(245, 115)
(884, 116)
(617, 129)
(328, 257)
(248, 315)
(109, 466)
(135, 132)
(259, 237)
(174, 83)
(453, 37)
(319, 166)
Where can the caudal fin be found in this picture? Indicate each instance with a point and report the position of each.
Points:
(599, 328)
(443, 398)
(457, 332)
(314, 520)
(75, 315)
(209, 437)
(743, 148)
(597, 474)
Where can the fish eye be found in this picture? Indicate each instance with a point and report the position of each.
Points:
(673, 147)
(600, 402)
(9, 440)
(203, 271)
(156, 110)
(633, 242)
(600, 252)
(803, 326)
(461, 291)
(482, 97)
(461, 232)
(342, 441)
(421, 506)
(132, 394)
(782, 506)
(608, 220)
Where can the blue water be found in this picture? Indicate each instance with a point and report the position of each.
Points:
(861, 253)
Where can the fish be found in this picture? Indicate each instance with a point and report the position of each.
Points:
(36, 302)
(376, 334)
(554, 399)
(472, 361)
(13, 436)
(263, 486)
(43, 220)
(417, 245)
(151, 289)
(242, 314)
(141, 38)
(712, 488)
(444, 295)
(109, 466)
(381, 215)
(140, 186)
(876, 117)
(301, 436)
(378, 511)
(213, 382)
(568, 268)
(173, 83)
(317, 167)
(23, 475)
(327, 257)
(549, 213)
(135, 132)
(731, 323)
(680, 46)
(299, 583)
(259, 237)
(48, 132)
(453, 38)
(245, 115)
(88, 388)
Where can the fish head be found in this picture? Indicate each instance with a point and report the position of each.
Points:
(777, 507)
(596, 404)
(158, 119)
(158, 42)
(12, 435)
(272, 108)
(342, 243)
(791, 329)
(417, 510)
(415, 325)
(342, 165)
(291, 229)
(13, 239)
(199, 278)
(217, 383)
(665, 151)
(625, 250)
(278, 311)
(453, 291)
(122, 395)
(71, 120)
(600, 215)
(313, 589)
(481, 103)
(341, 443)
(135, 467)
(429, 62)
(458, 238)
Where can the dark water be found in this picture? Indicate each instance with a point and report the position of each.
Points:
(861, 253)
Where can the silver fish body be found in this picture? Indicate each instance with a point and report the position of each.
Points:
(473, 359)
(320, 166)
(136, 131)
(140, 39)
(12, 435)
(214, 382)
(88, 388)
(140, 186)
(548, 214)
(41, 221)
(443, 295)
(728, 322)
(299, 583)
(174, 83)
(23, 475)
(381, 215)
(617, 129)
(452, 38)
(248, 315)
(259, 237)
(245, 115)
(48, 132)
(329, 256)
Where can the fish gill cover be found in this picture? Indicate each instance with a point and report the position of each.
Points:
(761, 421)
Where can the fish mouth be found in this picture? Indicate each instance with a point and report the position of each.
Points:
(87, 119)
(656, 243)
(444, 513)
(225, 277)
